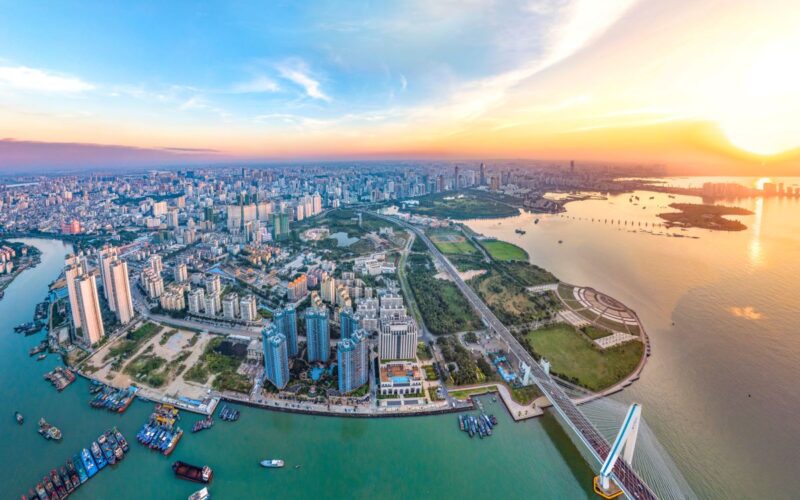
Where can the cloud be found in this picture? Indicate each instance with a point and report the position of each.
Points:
(297, 72)
(747, 312)
(257, 85)
(37, 80)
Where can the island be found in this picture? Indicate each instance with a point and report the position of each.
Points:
(705, 216)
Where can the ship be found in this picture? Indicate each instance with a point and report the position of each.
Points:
(191, 472)
(203, 424)
(49, 431)
(121, 440)
(97, 455)
(200, 494)
(272, 463)
(88, 463)
(83, 474)
(18, 417)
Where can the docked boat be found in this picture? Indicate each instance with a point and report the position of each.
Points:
(40, 491)
(121, 440)
(203, 424)
(200, 494)
(37, 349)
(272, 463)
(191, 472)
(88, 463)
(77, 461)
(18, 417)
(41, 356)
(97, 455)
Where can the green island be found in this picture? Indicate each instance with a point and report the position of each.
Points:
(705, 216)
(467, 204)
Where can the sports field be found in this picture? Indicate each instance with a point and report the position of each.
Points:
(500, 250)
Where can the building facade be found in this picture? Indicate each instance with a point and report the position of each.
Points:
(352, 355)
(317, 334)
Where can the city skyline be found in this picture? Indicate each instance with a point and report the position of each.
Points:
(698, 84)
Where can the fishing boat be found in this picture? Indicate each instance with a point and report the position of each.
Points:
(49, 431)
(272, 463)
(191, 472)
(88, 463)
(41, 356)
(203, 424)
(97, 455)
(18, 417)
(121, 440)
(200, 494)
(83, 475)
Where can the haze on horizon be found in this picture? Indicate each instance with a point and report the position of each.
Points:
(687, 83)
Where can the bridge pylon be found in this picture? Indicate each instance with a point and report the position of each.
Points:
(623, 445)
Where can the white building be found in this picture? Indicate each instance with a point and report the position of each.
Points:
(197, 301)
(398, 338)
(249, 308)
(91, 329)
(121, 291)
(230, 306)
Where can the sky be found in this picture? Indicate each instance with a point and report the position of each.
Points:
(686, 82)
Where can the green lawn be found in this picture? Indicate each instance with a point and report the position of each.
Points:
(472, 392)
(574, 357)
(500, 250)
(595, 333)
(451, 242)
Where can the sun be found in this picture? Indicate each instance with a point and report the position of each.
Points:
(762, 112)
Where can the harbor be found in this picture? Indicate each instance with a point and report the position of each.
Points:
(108, 449)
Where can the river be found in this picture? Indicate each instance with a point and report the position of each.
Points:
(340, 457)
(720, 389)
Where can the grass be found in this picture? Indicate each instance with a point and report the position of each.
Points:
(430, 373)
(423, 352)
(525, 395)
(444, 309)
(573, 357)
(466, 204)
(222, 366)
(146, 368)
(595, 333)
(510, 301)
(502, 251)
(131, 343)
(451, 242)
(465, 393)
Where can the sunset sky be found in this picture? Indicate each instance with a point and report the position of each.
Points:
(687, 82)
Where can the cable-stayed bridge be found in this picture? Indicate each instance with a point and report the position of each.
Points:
(592, 443)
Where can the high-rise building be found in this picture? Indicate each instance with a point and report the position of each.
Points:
(91, 329)
(483, 174)
(276, 357)
(105, 257)
(197, 301)
(348, 323)
(213, 304)
(353, 361)
(230, 306)
(398, 338)
(317, 334)
(71, 273)
(280, 226)
(181, 275)
(213, 284)
(248, 307)
(155, 263)
(121, 291)
(153, 283)
(285, 320)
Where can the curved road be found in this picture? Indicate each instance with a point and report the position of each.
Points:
(624, 476)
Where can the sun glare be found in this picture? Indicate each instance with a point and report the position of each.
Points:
(762, 112)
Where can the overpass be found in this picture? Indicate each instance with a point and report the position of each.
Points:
(622, 474)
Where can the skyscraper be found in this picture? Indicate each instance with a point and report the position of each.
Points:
(91, 329)
(285, 320)
(348, 323)
(398, 338)
(74, 269)
(483, 174)
(353, 361)
(121, 291)
(280, 226)
(276, 357)
(317, 334)
(105, 257)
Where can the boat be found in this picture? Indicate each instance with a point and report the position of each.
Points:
(18, 417)
(58, 485)
(83, 475)
(519, 231)
(73, 473)
(48, 487)
(115, 447)
(121, 440)
(272, 463)
(88, 463)
(203, 424)
(560, 241)
(200, 494)
(97, 455)
(49, 431)
(536, 221)
(191, 472)
(40, 491)
(41, 356)
(297, 466)
(37, 349)
(173, 442)
(65, 479)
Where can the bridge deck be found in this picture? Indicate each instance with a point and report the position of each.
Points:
(625, 477)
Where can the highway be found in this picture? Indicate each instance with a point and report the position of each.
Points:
(624, 476)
